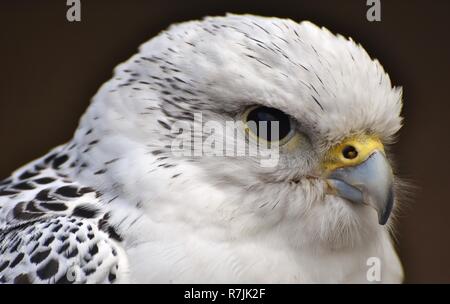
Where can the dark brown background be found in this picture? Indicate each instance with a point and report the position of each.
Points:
(50, 68)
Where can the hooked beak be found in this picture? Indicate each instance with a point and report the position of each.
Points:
(366, 179)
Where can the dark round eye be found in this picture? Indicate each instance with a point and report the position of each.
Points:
(349, 152)
(261, 120)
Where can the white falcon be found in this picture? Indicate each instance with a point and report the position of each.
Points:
(118, 203)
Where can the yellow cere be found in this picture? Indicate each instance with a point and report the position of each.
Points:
(364, 145)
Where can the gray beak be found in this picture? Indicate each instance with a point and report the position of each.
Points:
(370, 183)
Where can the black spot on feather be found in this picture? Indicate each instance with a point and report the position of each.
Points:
(43, 195)
(165, 125)
(23, 186)
(48, 270)
(89, 271)
(44, 180)
(72, 253)
(48, 241)
(4, 265)
(5, 182)
(7, 192)
(49, 158)
(102, 171)
(85, 211)
(54, 206)
(27, 175)
(38, 257)
(93, 250)
(68, 191)
(57, 162)
(111, 277)
(17, 260)
(113, 234)
(63, 247)
(22, 279)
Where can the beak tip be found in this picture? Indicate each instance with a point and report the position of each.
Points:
(383, 215)
(382, 219)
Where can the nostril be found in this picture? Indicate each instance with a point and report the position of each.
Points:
(349, 152)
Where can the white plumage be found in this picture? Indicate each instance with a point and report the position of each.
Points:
(133, 212)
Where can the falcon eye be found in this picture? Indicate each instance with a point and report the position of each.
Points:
(349, 152)
(261, 122)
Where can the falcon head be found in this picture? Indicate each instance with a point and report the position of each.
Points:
(334, 107)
